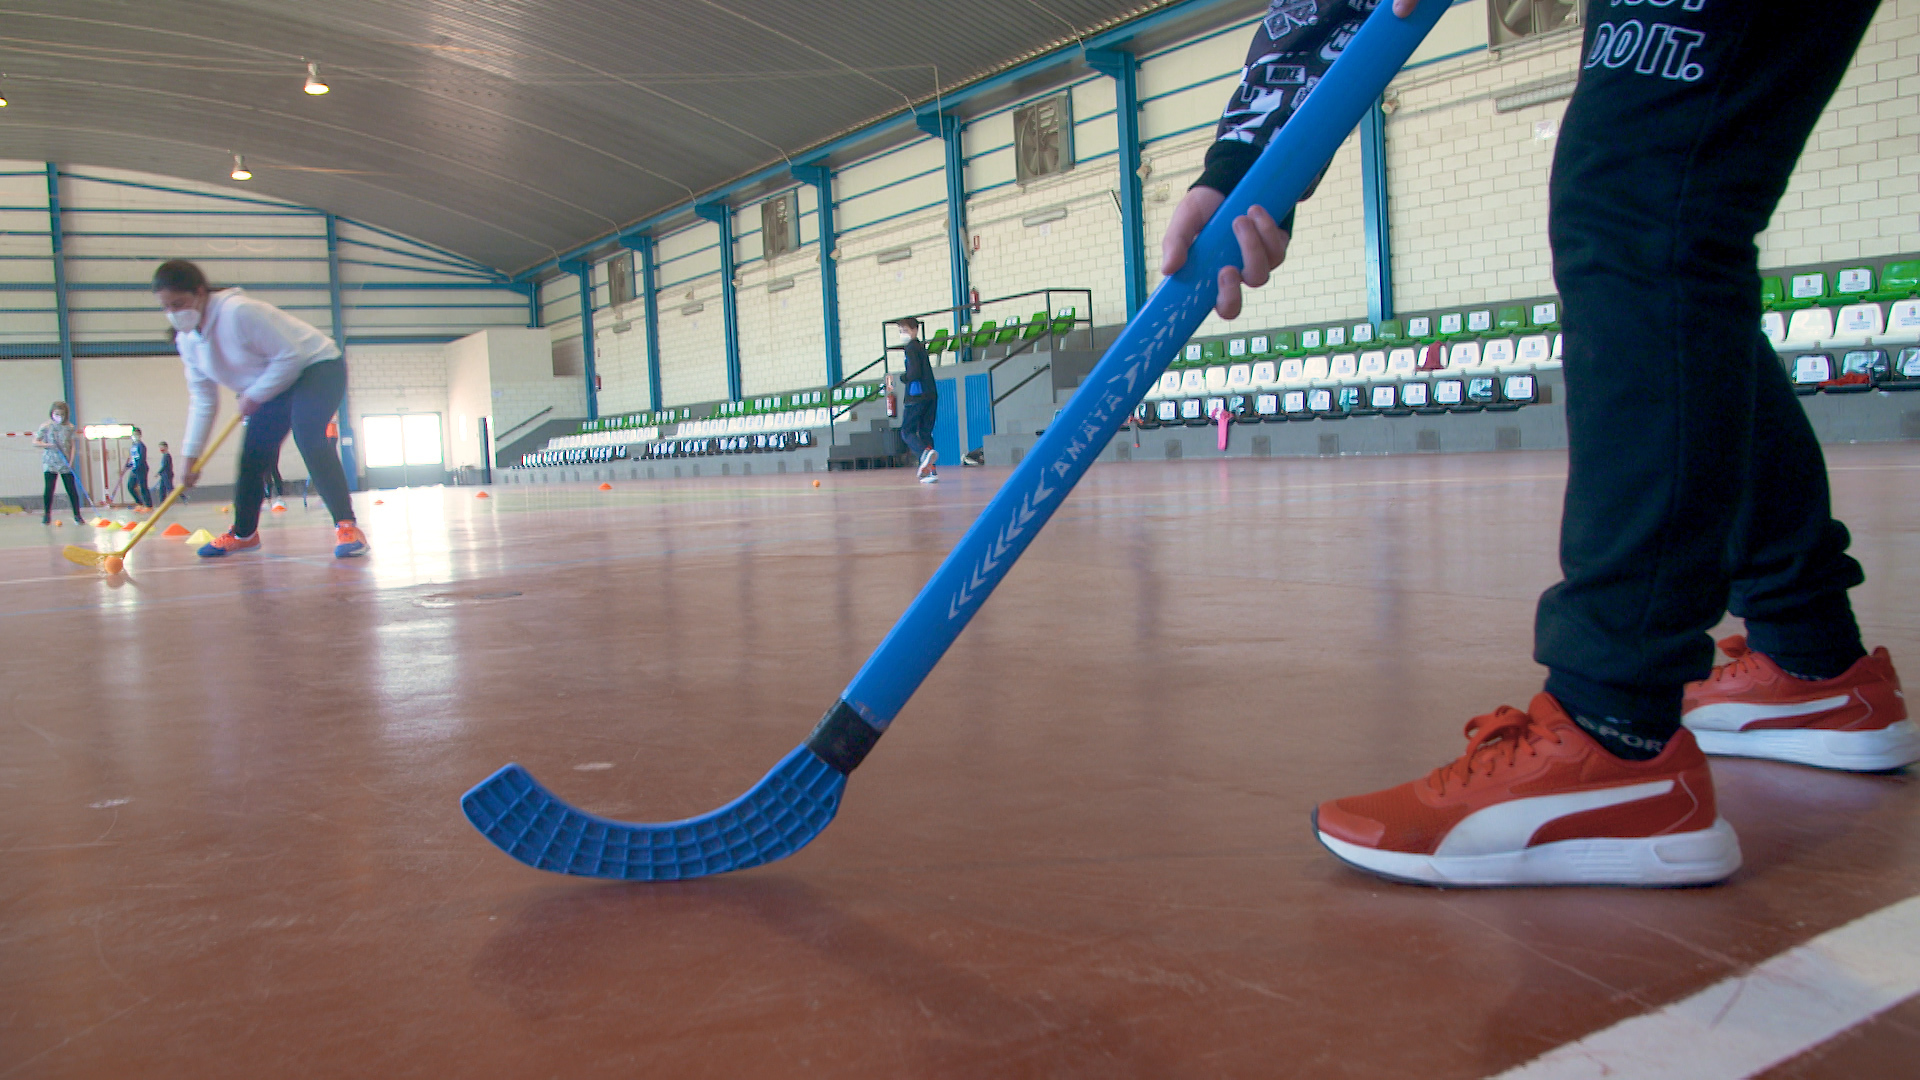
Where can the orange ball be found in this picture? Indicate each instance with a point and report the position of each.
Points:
(114, 564)
(816, 483)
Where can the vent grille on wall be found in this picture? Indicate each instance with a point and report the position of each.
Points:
(1043, 138)
(620, 279)
(780, 224)
(1509, 21)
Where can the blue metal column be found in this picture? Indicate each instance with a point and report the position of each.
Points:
(532, 289)
(722, 215)
(821, 178)
(1122, 68)
(583, 273)
(651, 304)
(1373, 188)
(63, 316)
(947, 129)
(347, 455)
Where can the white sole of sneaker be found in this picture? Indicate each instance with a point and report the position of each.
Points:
(1890, 747)
(1695, 858)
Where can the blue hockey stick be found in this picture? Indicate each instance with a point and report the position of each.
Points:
(794, 802)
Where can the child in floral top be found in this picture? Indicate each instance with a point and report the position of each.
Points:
(55, 440)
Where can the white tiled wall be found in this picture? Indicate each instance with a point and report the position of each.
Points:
(1467, 187)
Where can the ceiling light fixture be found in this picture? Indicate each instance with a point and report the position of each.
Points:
(314, 85)
(240, 168)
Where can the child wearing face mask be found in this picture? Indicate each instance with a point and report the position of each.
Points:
(55, 440)
(289, 377)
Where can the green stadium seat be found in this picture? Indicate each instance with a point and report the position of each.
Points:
(1898, 281)
(1392, 330)
(1510, 318)
(1213, 352)
(1852, 284)
(939, 343)
(1009, 331)
(1037, 325)
(1285, 343)
(1772, 292)
(1804, 291)
(984, 334)
(1451, 325)
(1544, 315)
(1064, 321)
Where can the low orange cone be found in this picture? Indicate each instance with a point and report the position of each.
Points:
(482, 495)
(129, 526)
(379, 502)
(175, 529)
(606, 487)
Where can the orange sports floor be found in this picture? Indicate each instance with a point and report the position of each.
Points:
(231, 844)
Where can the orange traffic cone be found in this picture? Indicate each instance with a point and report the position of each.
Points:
(175, 529)
(482, 495)
(606, 487)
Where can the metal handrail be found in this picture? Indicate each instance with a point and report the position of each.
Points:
(1037, 372)
(1085, 315)
(498, 438)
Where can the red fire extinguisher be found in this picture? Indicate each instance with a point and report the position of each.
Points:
(893, 402)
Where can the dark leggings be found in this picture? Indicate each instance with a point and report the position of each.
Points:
(73, 495)
(1696, 485)
(303, 408)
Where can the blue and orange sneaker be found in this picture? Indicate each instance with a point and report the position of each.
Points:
(348, 540)
(227, 543)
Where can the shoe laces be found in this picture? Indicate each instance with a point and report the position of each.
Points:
(1742, 659)
(1494, 740)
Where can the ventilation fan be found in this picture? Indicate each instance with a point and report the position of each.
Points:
(1509, 21)
(1043, 138)
(780, 224)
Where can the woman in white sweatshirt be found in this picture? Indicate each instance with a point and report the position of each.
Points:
(289, 377)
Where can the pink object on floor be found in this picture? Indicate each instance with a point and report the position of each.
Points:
(1222, 417)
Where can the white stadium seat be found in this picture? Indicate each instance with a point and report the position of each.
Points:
(1809, 327)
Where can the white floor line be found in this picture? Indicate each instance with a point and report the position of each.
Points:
(1749, 1023)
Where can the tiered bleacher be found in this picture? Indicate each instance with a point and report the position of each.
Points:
(1471, 360)
(768, 424)
(1846, 330)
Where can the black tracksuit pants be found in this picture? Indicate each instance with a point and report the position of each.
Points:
(304, 409)
(1695, 485)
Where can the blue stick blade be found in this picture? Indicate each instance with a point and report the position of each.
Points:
(775, 818)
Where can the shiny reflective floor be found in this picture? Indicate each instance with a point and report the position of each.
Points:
(231, 844)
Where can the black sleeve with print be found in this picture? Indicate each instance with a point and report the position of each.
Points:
(1294, 46)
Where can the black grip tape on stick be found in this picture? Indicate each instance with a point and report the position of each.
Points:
(842, 739)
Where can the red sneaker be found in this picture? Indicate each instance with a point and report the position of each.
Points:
(1751, 708)
(1535, 801)
(227, 543)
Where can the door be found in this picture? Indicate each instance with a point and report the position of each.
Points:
(979, 409)
(402, 450)
(946, 423)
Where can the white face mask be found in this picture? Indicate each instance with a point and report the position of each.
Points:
(184, 320)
